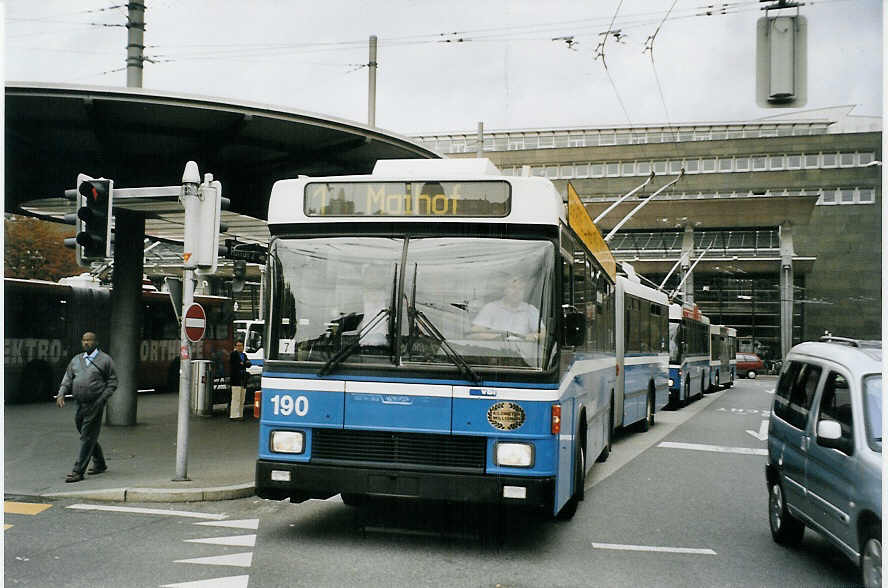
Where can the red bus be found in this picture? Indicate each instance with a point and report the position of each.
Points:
(44, 322)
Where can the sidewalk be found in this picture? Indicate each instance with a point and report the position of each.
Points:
(41, 444)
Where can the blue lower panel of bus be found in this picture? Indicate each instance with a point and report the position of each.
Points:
(304, 481)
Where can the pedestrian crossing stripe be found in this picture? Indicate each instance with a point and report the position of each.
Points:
(238, 524)
(243, 560)
(228, 582)
(235, 540)
(24, 508)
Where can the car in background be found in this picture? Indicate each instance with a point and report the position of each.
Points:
(824, 467)
(749, 365)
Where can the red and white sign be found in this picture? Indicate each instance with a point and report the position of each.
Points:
(195, 322)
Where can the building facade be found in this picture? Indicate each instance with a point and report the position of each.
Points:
(773, 227)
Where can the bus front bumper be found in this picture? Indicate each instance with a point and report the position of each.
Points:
(323, 481)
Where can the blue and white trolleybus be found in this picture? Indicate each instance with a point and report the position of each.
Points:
(688, 354)
(435, 330)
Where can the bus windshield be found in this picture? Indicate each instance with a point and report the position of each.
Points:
(451, 300)
(674, 342)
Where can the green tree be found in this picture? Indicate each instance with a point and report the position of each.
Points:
(34, 249)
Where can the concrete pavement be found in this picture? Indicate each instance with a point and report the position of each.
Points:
(41, 444)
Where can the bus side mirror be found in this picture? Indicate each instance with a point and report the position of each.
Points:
(574, 329)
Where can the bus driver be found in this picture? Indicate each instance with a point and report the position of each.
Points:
(509, 316)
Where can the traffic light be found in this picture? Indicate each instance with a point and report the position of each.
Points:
(95, 200)
(240, 275)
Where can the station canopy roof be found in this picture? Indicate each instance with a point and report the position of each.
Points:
(142, 138)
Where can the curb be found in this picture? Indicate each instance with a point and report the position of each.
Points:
(161, 494)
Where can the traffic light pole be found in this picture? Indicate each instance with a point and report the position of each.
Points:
(190, 184)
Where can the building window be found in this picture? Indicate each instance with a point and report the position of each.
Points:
(768, 132)
(606, 139)
(639, 138)
(737, 134)
(627, 168)
(718, 135)
(866, 157)
(552, 171)
(566, 171)
(741, 163)
(653, 137)
(811, 160)
(692, 166)
(686, 136)
(675, 166)
(775, 162)
(538, 170)
(660, 167)
(643, 168)
(561, 140)
(575, 140)
(759, 163)
(546, 141)
(509, 171)
(725, 164)
(708, 164)
(444, 145)
(846, 196)
(582, 170)
(784, 131)
(794, 161)
(830, 160)
(516, 143)
(531, 142)
(591, 139)
(847, 159)
(613, 169)
(597, 170)
(867, 196)
(624, 138)
(829, 197)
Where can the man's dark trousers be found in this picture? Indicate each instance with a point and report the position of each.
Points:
(89, 424)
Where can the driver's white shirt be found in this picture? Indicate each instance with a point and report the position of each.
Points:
(499, 316)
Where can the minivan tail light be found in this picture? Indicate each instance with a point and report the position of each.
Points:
(556, 419)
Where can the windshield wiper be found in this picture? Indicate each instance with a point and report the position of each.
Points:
(346, 351)
(418, 317)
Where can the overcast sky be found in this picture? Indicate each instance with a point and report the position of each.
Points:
(504, 64)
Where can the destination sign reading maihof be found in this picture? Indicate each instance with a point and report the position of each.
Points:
(409, 199)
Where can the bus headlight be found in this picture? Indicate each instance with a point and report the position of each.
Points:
(671, 382)
(287, 441)
(516, 455)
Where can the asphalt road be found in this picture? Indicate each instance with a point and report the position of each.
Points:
(682, 505)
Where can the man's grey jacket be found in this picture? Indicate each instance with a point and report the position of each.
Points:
(89, 380)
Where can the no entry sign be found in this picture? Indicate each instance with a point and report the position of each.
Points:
(195, 322)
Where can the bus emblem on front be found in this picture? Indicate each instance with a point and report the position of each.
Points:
(505, 416)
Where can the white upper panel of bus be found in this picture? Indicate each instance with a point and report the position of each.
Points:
(676, 312)
(534, 200)
(643, 292)
(715, 329)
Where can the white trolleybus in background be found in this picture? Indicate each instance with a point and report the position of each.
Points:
(722, 357)
(642, 335)
(688, 354)
(438, 331)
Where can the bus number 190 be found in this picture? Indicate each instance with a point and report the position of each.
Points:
(285, 405)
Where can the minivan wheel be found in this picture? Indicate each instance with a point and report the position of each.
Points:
(871, 557)
(750, 374)
(785, 528)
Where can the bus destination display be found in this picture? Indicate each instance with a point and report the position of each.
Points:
(413, 199)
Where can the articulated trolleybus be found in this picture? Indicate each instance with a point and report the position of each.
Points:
(688, 354)
(642, 335)
(436, 331)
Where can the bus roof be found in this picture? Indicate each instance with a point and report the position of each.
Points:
(534, 200)
(678, 312)
(645, 292)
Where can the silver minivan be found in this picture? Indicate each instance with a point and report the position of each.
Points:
(824, 467)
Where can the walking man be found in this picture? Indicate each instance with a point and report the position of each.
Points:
(91, 379)
(238, 377)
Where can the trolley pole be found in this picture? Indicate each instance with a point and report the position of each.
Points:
(190, 182)
(371, 90)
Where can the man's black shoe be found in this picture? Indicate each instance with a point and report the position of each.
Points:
(74, 477)
(94, 470)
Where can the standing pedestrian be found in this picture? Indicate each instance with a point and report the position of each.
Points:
(91, 379)
(238, 377)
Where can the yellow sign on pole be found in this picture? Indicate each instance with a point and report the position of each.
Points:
(579, 220)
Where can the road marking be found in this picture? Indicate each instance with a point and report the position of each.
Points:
(227, 582)
(762, 434)
(152, 511)
(619, 547)
(238, 524)
(24, 508)
(242, 560)
(236, 540)
(715, 448)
